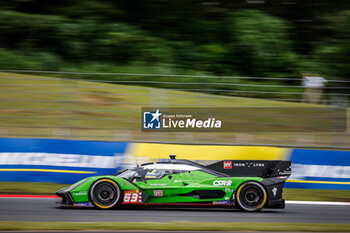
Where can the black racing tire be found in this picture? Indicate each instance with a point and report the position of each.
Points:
(251, 196)
(105, 194)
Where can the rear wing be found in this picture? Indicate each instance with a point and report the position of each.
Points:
(253, 168)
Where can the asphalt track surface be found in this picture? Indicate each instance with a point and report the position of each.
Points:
(37, 209)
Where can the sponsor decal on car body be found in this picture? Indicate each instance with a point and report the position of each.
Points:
(81, 193)
(158, 193)
(227, 165)
(81, 204)
(221, 202)
(274, 191)
(248, 164)
(222, 182)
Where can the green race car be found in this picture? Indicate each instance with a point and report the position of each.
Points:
(249, 185)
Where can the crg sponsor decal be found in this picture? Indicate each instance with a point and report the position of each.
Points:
(222, 182)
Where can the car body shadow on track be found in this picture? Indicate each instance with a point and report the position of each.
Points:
(176, 209)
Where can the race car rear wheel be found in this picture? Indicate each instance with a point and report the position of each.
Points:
(251, 196)
(105, 194)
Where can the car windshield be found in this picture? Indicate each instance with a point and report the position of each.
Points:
(143, 173)
(156, 173)
(128, 174)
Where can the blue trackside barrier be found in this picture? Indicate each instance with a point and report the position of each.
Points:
(319, 169)
(59, 161)
(67, 161)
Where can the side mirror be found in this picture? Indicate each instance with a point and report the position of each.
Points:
(170, 177)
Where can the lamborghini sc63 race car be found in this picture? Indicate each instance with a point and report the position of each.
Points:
(249, 185)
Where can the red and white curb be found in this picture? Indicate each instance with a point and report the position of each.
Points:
(287, 202)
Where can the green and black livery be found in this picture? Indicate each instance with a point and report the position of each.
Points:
(246, 184)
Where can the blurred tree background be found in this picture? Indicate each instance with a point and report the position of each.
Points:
(274, 38)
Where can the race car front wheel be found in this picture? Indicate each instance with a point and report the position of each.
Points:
(105, 194)
(251, 196)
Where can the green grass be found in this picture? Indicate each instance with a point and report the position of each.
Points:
(29, 188)
(288, 194)
(44, 104)
(177, 226)
(316, 195)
